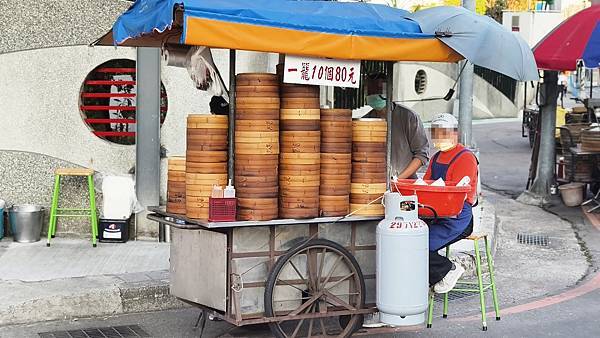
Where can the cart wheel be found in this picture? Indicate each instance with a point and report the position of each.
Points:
(315, 277)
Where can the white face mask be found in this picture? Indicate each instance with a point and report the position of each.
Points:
(443, 144)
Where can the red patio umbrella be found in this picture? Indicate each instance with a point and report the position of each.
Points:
(577, 38)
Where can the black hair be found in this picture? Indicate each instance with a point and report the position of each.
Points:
(219, 106)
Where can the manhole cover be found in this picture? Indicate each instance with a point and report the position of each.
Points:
(531, 239)
(125, 331)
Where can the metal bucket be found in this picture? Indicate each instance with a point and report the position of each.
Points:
(26, 222)
(572, 194)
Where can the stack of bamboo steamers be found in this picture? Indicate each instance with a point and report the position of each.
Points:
(176, 185)
(205, 162)
(257, 146)
(300, 158)
(336, 165)
(369, 168)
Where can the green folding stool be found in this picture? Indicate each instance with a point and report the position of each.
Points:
(478, 286)
(56, 212)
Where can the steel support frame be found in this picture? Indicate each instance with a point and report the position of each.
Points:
(465, 95)
(147, 139)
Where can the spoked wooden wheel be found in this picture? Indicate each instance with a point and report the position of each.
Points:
(312, 279)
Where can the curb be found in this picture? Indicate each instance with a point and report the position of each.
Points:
(95, 296)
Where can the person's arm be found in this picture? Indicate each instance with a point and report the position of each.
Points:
(411, 169)
(419, 145)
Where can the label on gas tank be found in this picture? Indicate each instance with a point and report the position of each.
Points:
(416, 224)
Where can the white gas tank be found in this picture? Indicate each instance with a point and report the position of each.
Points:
(402, 262)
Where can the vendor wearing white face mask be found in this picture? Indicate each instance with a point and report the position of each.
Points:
(409, 140)
(451, 163)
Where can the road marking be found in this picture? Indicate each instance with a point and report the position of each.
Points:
(585, 288)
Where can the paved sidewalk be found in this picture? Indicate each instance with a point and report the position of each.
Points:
(72, 279)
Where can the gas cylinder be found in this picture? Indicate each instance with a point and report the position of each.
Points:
(402, 262)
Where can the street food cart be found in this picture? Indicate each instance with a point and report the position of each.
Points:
(311, 276)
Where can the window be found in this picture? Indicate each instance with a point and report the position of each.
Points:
(107, 101)
(515, 23)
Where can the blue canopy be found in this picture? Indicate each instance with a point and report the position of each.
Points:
(349, 30)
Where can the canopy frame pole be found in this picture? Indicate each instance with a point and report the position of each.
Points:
(591, 81)
(147, 136)
(231, 143)
(465, 94)
(389, 92)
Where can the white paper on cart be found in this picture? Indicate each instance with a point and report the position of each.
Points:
(119, 198)
(438, 183)
(464, 182)
(420, 181)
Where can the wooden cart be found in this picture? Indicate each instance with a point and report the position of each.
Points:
(311, 277)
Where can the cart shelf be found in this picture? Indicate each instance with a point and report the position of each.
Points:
(182, 222)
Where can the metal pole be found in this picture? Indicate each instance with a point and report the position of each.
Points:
(389, 92)
(231, 148)
(465, 94)
(147, 136)
(547, 158)
(591, 82)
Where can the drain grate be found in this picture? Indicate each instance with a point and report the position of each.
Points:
(126, 331)
(531, 239)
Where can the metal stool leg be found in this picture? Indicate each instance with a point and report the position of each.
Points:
(490, 262)
(445, 313)
(430, 310)
(93, 215)
(480, 283)
(53, 207)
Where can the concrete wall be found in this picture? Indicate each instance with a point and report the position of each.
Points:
(44, 59)
(533, 26)
(487, 101)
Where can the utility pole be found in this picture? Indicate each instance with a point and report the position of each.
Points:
(465, 94)
(540, 189)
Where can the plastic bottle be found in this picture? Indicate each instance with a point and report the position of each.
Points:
(229, 191)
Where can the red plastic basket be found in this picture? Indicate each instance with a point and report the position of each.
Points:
(447, 201)
(222, 209)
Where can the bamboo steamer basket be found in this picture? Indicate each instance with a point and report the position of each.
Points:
(300, 147)
(370, 124)
(176, 163)
(176, 185)
(210, 178)
(199, 146)
(296, 169)
(252, 159)
(366, 157)
(257, 125)
(369, 147)
(336, 148)
(299, 114)
(300, 136)
(334, 205)
(207, 168)
(296, 104)
(244, 214)
(245, 90)
(256, 114)
(257, 82)
(256, 101)
(300, 125)
(334, 191)
(266, 192)
(336, 158)
(375, 209)
(290, 95)
(208, 120)
(300, 192)
(336, 115)
(368, 189)
(342, 125)
(257, 172)
(298, 88)
(264, 148)
(206, 156)
(258, 203)
(364, 167)
(300, 158)
(298, 213)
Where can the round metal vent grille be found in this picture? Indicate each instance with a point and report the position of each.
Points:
(420, 82)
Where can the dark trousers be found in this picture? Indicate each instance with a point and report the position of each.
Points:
(439, 265)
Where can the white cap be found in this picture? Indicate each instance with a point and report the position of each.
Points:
(444, 120)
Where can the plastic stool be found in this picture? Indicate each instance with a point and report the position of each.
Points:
(481, 286)
(90, 212)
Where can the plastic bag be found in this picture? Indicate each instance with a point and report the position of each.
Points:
(203, 72)
(119, 198)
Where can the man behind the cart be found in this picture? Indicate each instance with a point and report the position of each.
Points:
(451, 163)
